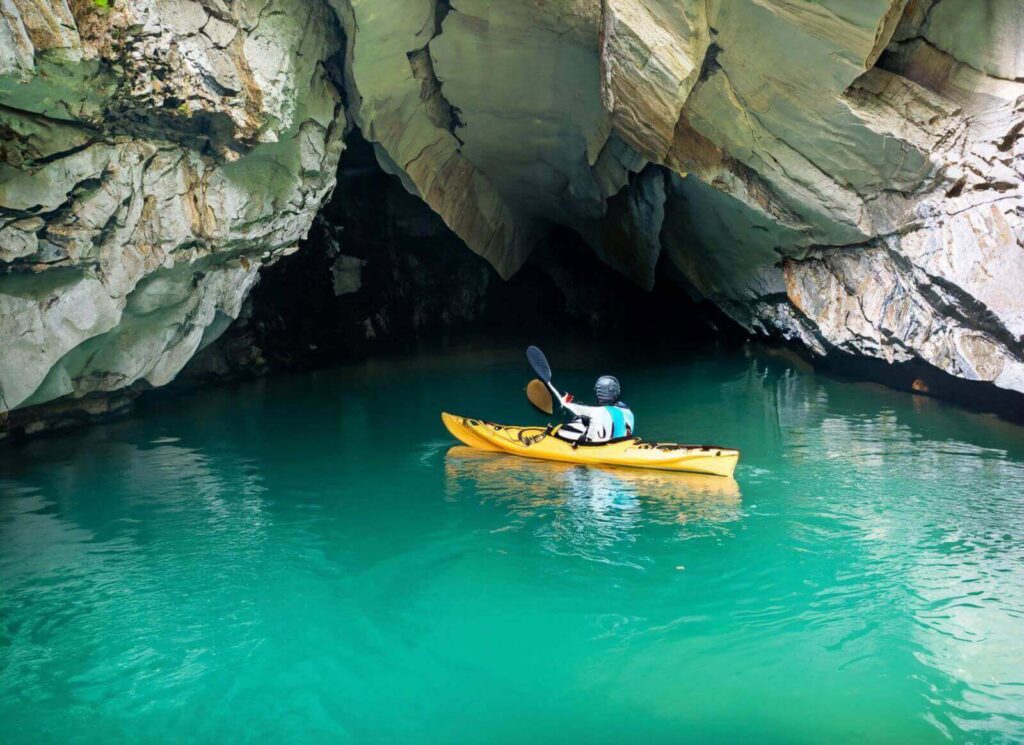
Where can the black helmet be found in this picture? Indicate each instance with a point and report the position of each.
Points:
(607, 390)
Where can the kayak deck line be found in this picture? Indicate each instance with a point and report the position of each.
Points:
(631, 452)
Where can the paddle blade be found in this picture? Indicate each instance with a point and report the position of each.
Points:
(540, 396)
(539, 363)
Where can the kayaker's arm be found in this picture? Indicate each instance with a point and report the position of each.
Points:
(583, 412)
(579, 410)
(570, 407)
(558, 396)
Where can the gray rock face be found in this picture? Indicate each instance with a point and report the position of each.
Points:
(870, 145)
(155, 154)
(844, 174)
(886, 201)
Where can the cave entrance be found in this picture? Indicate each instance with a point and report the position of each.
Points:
(380, 271)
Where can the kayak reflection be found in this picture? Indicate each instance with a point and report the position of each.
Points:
(526, 485)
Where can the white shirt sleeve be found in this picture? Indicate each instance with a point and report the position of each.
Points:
(585, 411)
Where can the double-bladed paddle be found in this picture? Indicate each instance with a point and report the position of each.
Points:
(539, 395)
(539, 391)
(539, 363)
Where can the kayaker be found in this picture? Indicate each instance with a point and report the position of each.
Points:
(609, 420)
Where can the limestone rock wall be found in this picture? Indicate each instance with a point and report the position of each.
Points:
(154, 155)
(845, 174)
(865, 180)
(797, 148)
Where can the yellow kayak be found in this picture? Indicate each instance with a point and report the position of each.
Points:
(543, 443)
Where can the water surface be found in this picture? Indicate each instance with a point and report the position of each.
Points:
(303, 558)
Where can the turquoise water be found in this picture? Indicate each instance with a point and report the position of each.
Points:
(302, 559)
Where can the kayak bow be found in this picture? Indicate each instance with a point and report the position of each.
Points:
(542, 443)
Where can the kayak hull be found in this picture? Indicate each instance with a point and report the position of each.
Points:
(631, 452)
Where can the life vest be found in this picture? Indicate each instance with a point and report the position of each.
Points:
(622, 420)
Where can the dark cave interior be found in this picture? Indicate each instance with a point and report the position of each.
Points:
(381, 271)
